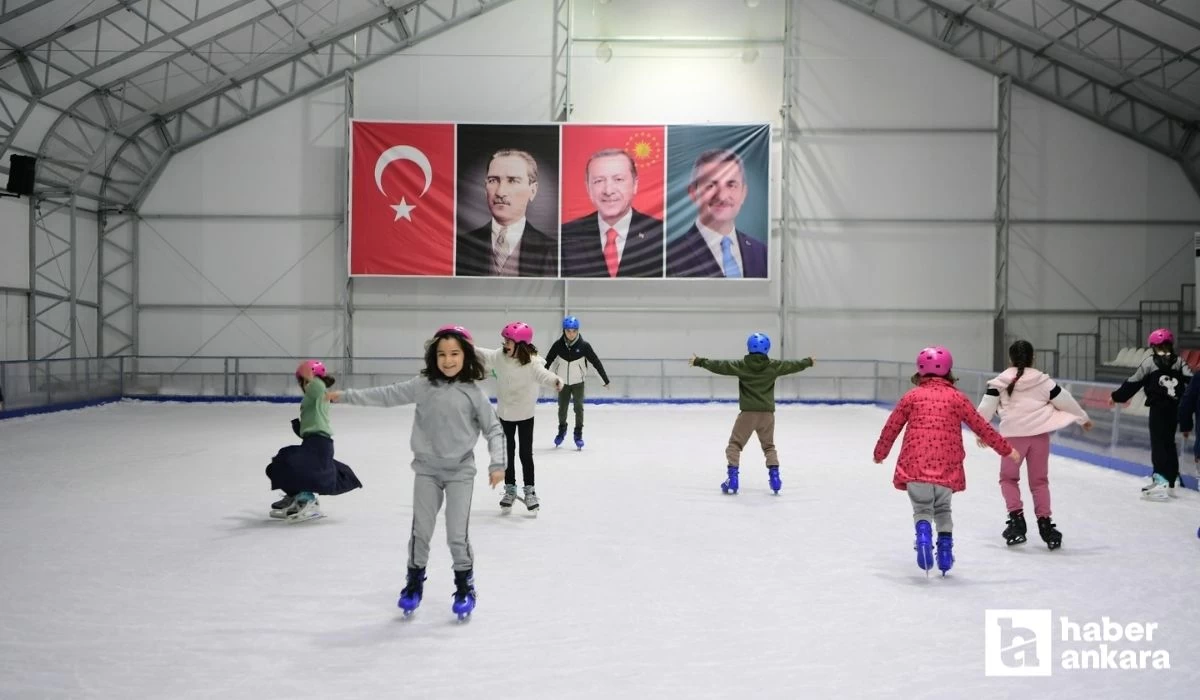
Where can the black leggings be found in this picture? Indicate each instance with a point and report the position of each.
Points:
(524, 431)
(1164, 458)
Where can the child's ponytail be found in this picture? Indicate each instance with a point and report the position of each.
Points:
(1020, 354)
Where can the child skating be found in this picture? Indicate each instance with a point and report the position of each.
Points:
(756, 375)
(569, 357)
(1163, 377)
(930, 467)
(452, 412)
(1032, 406)
(519, 375)
(305, 470)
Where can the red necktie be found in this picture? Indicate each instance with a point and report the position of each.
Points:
(610, 252)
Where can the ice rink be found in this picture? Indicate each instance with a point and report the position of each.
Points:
(137, 561)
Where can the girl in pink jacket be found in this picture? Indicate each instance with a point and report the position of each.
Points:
(930, 467)
(1031, 407)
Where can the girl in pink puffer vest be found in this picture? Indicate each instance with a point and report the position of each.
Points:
(1031, 407)
(930, 467)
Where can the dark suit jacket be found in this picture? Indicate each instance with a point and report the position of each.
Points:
(537, 253)
(583, 251)
(690, 256)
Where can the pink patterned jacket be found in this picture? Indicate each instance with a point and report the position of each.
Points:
(932, 451)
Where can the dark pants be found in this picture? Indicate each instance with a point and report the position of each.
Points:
(524, 431)
(571, 393)
(1163, 456)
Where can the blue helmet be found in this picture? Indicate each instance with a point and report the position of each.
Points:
(758, 342)
(570, 323)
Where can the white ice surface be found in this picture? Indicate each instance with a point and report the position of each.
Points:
(137, 561)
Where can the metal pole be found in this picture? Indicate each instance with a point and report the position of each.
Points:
(787, 220)
(31, 303)
(348, 293)
(1003, 154)
(73, 294)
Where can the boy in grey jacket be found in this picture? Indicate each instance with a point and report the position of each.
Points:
(452, 412)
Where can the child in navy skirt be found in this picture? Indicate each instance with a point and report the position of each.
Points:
(305, 470)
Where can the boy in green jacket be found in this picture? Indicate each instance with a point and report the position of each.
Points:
(756, 375)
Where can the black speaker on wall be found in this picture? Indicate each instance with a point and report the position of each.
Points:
(20, 174)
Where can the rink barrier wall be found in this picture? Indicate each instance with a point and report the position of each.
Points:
(1100, 460)
(48, 386)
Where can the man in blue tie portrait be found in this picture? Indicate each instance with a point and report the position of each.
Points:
(713, 247)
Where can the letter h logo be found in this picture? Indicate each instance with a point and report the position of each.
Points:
(1017, 643)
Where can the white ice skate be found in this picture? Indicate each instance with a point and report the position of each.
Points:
(302, 511)
(1157, 489)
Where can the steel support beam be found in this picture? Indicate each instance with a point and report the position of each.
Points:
(118, 279)
(347, 306)
(789, 216)
(53, 328)
(1003, 161)
(1085, 87)
(560, 67)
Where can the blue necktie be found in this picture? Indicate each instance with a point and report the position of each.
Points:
(731, 266)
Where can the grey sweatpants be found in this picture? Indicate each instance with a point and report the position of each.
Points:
(571, 393)
(428, 493)
(932, 503)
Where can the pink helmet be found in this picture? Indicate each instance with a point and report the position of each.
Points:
(1160, 336)
(935, 360)
(466, 334)
(318, 367)
(517, 332)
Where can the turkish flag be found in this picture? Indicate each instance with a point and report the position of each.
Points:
(401, 199)
(644, 144)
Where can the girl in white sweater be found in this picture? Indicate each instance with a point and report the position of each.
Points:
(517, 381)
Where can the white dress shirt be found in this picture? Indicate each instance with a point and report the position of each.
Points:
(622, 227)
(713, 239)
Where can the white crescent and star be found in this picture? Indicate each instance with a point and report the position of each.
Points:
(403, 209)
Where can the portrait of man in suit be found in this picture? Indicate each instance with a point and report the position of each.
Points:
(507, 246)
(615, 240)
(713, 247)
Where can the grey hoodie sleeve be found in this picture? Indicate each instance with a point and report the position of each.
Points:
(489, 425)
(398, 394)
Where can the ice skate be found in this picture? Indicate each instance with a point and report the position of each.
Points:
(924, 546)
(773, 479)
(506, 501)
(1050, 534)
(414, 590)
(731, 482)
(279, 508)
(531, 500)
(305, 507)
(464, 594)
(579, 438)
(1015, 532)
(945, 552)
(1157, 489)
(562, 434)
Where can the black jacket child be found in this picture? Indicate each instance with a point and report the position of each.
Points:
(1163, 378)
(576, 356)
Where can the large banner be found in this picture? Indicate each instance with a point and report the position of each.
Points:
(559, 200)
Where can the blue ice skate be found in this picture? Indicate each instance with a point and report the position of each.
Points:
(924, 545)
(731, 482)
(562, 434)
(773, 479)
(414, 590)
(579, 438)
(945, 552)
(464, 594)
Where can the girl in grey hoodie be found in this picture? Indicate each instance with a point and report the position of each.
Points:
(452, 412)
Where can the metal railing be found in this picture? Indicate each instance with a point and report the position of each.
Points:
(1120, 431)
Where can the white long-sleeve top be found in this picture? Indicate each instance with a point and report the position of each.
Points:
(516, 384)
